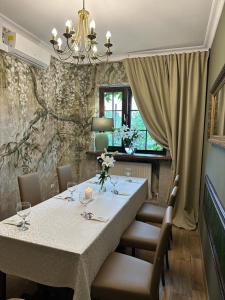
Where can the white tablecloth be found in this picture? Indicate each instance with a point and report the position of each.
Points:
(61, 248)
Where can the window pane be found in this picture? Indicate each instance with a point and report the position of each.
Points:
(108, 96)
(136, 120)
(152, 144)
(140, 143)
(117, 117)
(117, 100)
(133, 104)
(108, 114)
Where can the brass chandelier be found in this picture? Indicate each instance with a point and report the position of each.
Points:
(80, 43)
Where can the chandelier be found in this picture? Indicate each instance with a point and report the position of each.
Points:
(81, 43)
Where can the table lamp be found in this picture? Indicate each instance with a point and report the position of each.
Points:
(101, 125)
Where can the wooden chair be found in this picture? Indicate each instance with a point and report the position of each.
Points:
(129, 278)
(29, 187)
(154, 213)
(64, 174)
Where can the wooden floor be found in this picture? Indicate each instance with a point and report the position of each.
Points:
(184, 280)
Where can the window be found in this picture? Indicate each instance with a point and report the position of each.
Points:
(119, 104)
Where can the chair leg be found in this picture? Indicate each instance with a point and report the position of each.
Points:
(163, 277)
(2, 286)
(171, 235)
(167, 260)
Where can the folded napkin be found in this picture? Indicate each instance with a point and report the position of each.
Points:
(93, 182)
(91, 216)
(121, 193)
(15, 223)
(99, 219)
(61, 197)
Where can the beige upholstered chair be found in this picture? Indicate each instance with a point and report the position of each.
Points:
(129, 278)
(64, 174)
(154, 213)
(29, 186)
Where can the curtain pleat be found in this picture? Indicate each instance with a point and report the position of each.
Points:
(170, 92)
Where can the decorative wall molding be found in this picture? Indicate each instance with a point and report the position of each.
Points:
(214, 216)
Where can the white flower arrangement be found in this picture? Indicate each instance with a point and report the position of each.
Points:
(128, 135)
(106, 160)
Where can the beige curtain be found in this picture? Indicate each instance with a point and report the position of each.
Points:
(170, 92)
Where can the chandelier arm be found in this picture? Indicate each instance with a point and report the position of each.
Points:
(66, 58)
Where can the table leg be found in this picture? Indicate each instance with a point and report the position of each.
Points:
(2, 286)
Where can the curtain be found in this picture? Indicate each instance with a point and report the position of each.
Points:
(170, 92)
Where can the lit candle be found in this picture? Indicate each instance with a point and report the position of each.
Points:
(88, 193)
(68, 26)
(59, 41)
(108, 36)
(54, 33)
(95, 49)
(92, 26)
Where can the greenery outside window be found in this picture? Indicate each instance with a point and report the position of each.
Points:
(118, 103)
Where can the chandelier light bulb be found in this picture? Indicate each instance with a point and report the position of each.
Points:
(92, 26)
(95, 49)
(54, 33)
(108, 36)
(76, 48)
(59, 41)
(68, 25)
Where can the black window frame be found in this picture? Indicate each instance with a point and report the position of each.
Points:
(126, 114)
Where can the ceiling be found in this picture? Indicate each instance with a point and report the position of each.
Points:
(136, 26)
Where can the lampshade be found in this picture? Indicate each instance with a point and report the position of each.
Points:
(102, 124)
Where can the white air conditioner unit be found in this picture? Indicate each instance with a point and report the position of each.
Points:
(28, 51)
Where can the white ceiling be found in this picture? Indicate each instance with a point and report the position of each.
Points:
(136, 26)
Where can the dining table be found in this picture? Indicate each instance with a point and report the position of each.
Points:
(62, 248)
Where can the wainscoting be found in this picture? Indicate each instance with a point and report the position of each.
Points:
(212, 228)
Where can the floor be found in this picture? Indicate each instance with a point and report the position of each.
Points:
(184, 280)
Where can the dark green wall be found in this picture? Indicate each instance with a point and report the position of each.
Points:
(214, 160)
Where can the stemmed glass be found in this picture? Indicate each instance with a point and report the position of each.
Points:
(23, 210)
(114, 182)
(84, 203)
(128, 173)
(71, 186)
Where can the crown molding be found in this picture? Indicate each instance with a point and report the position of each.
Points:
(214, 17)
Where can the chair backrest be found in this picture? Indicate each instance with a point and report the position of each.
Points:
(160, 251)
(172, 198)
(29, 187)
(64, 174)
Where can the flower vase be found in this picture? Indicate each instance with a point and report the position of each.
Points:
(130, 149)
(102, 188)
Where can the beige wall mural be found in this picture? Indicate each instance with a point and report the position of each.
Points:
(45, 118)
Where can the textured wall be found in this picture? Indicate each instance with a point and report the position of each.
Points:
(45, 118)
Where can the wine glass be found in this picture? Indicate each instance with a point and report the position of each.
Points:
(128, 173)
(84, 201)
(114, 182)
(23, 210)
(71, 187)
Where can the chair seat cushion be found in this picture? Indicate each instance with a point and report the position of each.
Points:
(123, 277)
(151, 213)
(141, 235)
